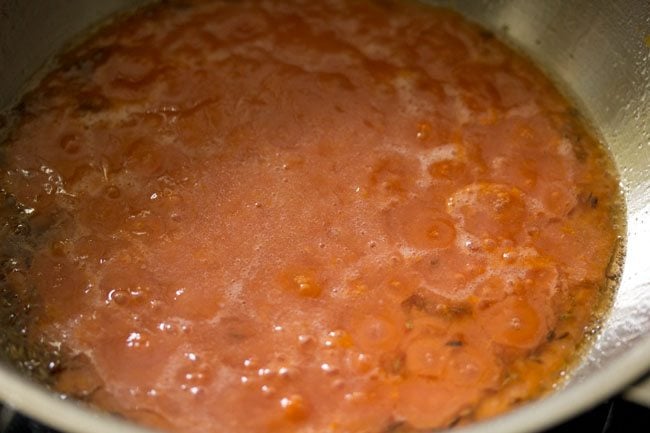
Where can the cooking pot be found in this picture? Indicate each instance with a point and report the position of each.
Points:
(597, 51)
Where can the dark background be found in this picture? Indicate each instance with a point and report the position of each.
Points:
(614, 416)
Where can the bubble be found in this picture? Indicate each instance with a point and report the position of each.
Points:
(304, 285)
(191, 356)
(508, 256)
(304, 339)
(118, 296)
(194, 390)
(328, 368)
(423, 131)
(515, 323)
(166, 327)
(268, 390)
(360, 362)
(194, 377)
(354, 396)
(136, 340)
(294, 407)
(338, 339)
(22, 229)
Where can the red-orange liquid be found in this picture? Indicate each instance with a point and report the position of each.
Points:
(299, 216)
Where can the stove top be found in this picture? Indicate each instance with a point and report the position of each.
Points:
(614, 416)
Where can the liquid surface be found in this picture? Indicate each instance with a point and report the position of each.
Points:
(289, 216)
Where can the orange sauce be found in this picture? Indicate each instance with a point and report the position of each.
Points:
(299, 216)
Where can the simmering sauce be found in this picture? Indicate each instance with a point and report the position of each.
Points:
(301, 216)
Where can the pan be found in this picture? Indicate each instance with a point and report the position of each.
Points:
(598, 52)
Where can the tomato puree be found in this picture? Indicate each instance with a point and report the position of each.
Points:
(303, 216)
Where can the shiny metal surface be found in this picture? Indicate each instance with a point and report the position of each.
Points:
(32, 32)
(599, 52)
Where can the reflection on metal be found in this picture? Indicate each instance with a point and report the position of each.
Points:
(640, 393)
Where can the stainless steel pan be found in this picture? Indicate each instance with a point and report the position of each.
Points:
(598, 51)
